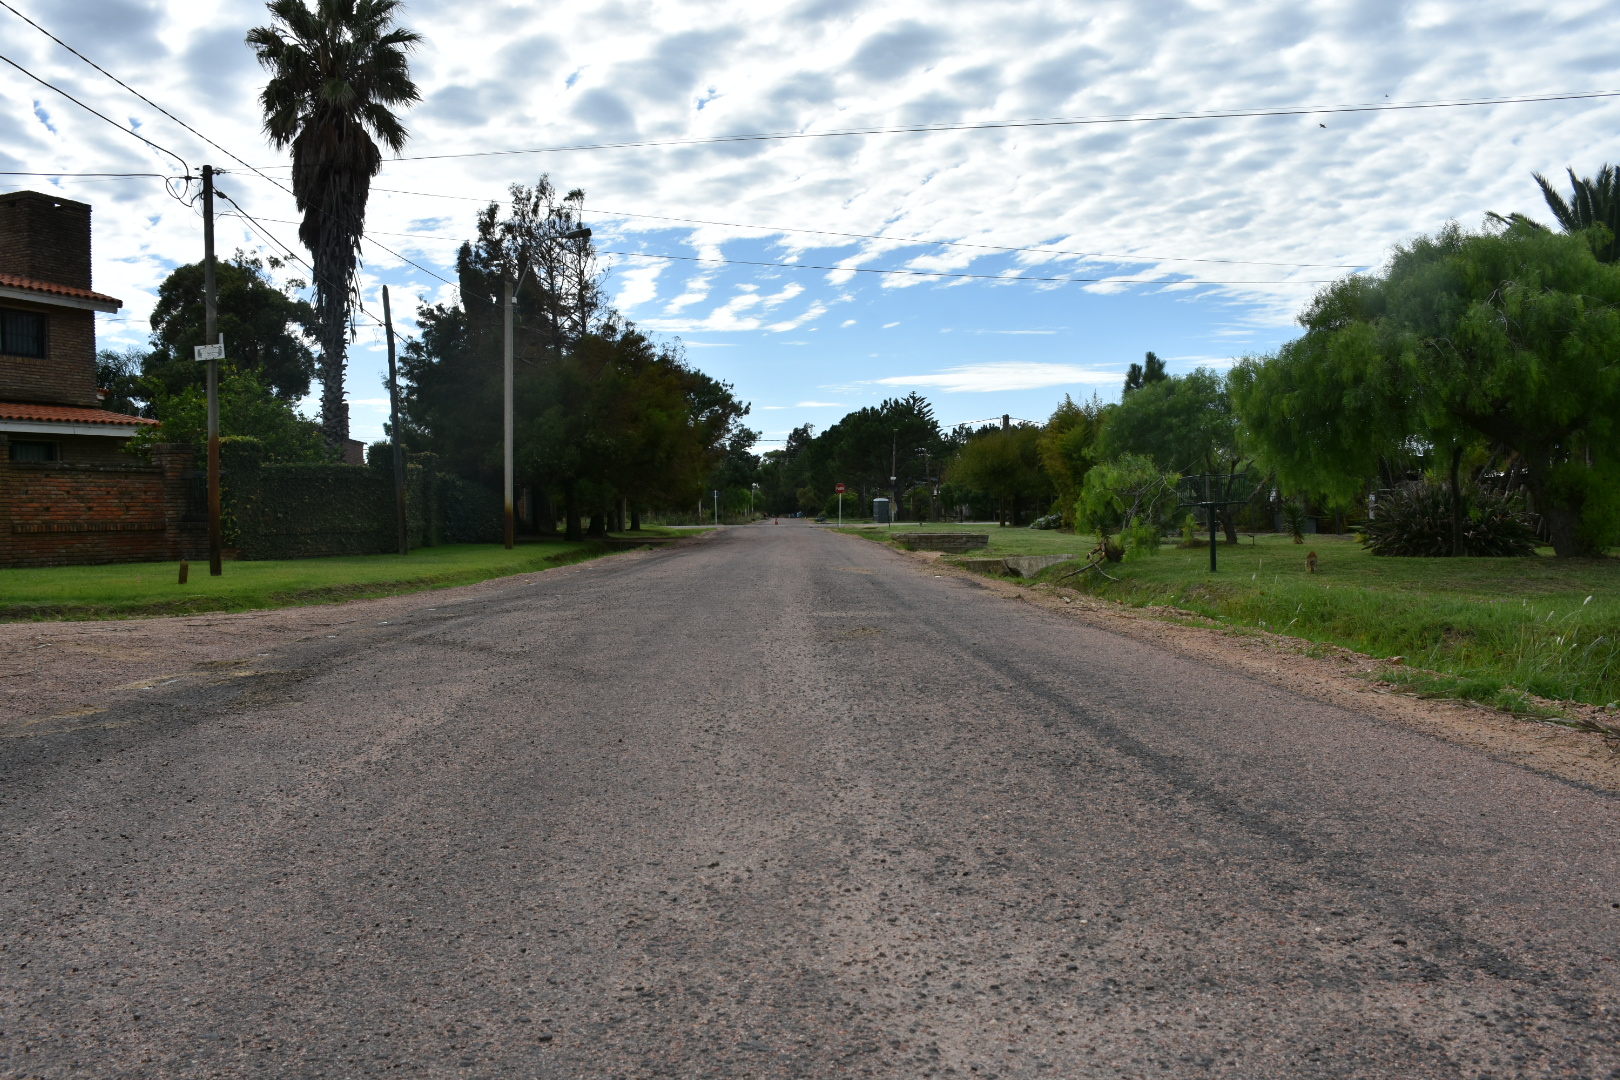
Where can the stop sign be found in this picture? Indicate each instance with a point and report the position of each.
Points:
(840, 489)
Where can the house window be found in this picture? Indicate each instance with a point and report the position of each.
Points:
(32, 451)
(22, 333)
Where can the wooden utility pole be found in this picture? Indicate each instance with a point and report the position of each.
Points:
(215, 353)
(506, 282)
(393, 430)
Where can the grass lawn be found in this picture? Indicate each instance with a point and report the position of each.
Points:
(1492, 628)
(125, 589)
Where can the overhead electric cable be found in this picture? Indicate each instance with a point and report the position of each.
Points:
(867, 270)
(943, 274)
(904, 240)
(106, 175)
(253, 168)
(93, 112)
(1056, 121)
(124, 84)
(268, 235)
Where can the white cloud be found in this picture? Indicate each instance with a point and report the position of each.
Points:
(1003, 375)
(819, 405)
(1277, 189)
(846, 323)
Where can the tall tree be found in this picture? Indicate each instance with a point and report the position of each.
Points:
(1006, 465)
(1508, 339)
(1151, 370)
(266, 327)
(338, 73)
(1592, 202)
(1068, 449)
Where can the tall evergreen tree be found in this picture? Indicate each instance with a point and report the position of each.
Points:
(338, 72)
(1591, 202)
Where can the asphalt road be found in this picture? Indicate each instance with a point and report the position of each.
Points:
(783, 803)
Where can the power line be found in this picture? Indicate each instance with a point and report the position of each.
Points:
(940, 274)
(124, 84)
(910, 273)
(894, 239)
(93, 112)
(252, 168)
(268, 235)
(107, 175)
(1058, 121)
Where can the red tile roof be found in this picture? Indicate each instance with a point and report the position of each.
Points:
(65, 414)
(59, 290)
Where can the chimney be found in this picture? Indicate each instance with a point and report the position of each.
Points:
(45, 238)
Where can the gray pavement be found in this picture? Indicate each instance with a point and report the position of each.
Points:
(783, 803)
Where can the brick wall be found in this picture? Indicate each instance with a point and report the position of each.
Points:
(45, 237)
(67, 375)
(72, 513)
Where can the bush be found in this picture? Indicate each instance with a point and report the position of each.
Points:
(1050, 521)
(1293, 517)
(1129, 499)
(1415, 520)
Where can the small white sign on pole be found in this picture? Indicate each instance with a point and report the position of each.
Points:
(209, 352)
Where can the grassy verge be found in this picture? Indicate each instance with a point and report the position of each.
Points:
(1485, 630)
(130, 589)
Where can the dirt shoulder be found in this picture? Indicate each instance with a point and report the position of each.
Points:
(59, 669)
(1325, 672)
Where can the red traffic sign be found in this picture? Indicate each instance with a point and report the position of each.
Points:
(839, 489)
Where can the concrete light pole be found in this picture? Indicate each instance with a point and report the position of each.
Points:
(506, 410)
(393, 425)
(213, 352)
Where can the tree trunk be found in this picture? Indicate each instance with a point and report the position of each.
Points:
(571, 529)
(598, 528)
(1229, 524)
(1561, 520)
(334, 410)
(635, 519)
(1456, 504)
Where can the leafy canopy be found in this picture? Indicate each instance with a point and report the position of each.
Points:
(1509, 338)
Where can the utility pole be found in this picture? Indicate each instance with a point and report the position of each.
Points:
(506, 282)
(717, 507)
(393, 428)
(214, 355)
(894, 474)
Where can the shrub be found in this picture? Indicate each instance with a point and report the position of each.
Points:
(1128, 498)
(1415, 520)
(1050, 521)
(1293, 516)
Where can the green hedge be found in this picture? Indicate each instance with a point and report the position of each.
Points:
(304, 510)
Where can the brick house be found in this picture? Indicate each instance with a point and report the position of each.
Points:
(68, 492)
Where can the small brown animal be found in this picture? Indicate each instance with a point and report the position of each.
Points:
(1310, 562)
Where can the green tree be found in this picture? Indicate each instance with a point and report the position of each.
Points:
(266, 327)
(337, 72)
(1184, 423)
(118, 374)
(1508, 338)
(1146, 373)
(1592, 204)
(1006, 465)
(1130, 497)
(246, 407)
(1068, 447)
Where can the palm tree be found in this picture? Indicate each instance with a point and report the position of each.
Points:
(337, 72)
(1592, 202)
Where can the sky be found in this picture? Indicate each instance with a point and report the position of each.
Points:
(1199, 239)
